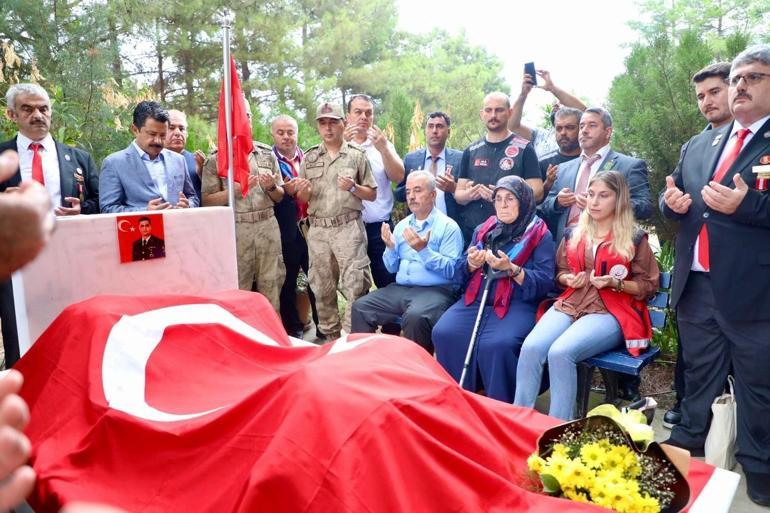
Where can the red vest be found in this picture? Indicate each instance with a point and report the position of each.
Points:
(631, 313)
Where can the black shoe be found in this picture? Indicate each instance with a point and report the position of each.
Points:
(297, 334)
(629, 394)
(695, 452)
(672, 417)
(758, 487)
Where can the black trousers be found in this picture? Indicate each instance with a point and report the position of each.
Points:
(8, 320)
(375, 248)
(418, 307)
(679, 380)
(295, 257)
(712, 343)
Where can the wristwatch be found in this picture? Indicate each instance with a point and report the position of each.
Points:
(352, 189)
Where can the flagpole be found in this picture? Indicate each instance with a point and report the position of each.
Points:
(228, 17)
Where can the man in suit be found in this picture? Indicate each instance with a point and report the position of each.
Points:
(68, 174)
(145, 176)
(148, 246)
(442, 162)
(711, 87)
(567, 198)
(721, 283)
(176, 140)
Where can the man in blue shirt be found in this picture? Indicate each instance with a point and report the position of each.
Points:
(423, 251)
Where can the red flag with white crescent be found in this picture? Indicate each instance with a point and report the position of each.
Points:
(204, 404)
(242, 140)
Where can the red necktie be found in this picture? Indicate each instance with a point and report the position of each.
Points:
(703, 236)
(37, 163)
(581, 186)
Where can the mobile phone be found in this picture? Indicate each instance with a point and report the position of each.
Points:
(529, 69)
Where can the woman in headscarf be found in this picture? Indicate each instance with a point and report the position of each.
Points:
(516, 243)
(609, 272)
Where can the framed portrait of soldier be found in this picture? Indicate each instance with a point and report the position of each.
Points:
(141, 237)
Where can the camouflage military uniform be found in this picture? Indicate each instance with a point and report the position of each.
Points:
(257, 238)
(337, 239)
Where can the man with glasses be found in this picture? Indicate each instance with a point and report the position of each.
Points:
(721, 281)
(386, 168)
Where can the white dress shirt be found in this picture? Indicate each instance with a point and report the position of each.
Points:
(50, 164)
(378, 210)
(731, 140)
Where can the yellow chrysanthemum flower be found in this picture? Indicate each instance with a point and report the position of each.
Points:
(592, 455)
(535, 463)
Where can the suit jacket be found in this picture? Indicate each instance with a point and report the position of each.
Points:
(739, 243)
(634, 170)
(125, 185)
(192, 170)
(416, 160)
(70, 161)
(155, 248)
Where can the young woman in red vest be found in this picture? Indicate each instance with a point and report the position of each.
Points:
(608, 271)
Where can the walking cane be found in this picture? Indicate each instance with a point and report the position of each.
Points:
(491, 276)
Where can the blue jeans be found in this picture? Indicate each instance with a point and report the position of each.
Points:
(564, 343)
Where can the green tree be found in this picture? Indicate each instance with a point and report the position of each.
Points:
(653, 102)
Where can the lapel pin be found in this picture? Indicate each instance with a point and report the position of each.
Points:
(764, 159)
(716, 140)
(67, 157)
(79, 171)
(766, 135)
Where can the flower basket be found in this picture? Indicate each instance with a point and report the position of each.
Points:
(594, 460)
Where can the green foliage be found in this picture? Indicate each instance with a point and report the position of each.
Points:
(654, 107)
(98, 59)
(667, 338)
(398, 110)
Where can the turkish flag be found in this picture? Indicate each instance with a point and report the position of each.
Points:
(242, 141)
(203, 404)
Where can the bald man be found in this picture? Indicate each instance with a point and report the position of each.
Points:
(499, 153)
(290, 213)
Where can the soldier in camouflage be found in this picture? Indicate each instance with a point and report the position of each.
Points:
(334, 178)
(258, 240)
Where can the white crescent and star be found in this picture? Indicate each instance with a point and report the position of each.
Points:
(133, 338)
(120, 226)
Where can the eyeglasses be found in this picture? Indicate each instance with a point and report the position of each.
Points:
(750, 78)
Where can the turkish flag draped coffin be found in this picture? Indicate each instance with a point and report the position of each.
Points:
(178, 403)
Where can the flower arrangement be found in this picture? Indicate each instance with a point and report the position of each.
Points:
(594, 460)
